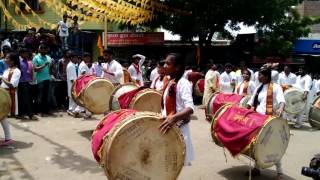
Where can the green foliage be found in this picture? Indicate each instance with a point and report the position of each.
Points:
(210, 16)
(278, 39)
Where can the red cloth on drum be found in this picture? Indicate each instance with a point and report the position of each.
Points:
(201, 85)
(237, 127)
(222, 99)
(81, 83)
(125, 99)
(195, 76)
(103, 128)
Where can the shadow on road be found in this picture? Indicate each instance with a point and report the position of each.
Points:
(65, 157)
(86, 134)
(238, 173)
(11, 167)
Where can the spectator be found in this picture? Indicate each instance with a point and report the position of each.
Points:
(41, 65)
(24, 88)
(75, 32)
(63, 30)
(97, 67)
(3, 65)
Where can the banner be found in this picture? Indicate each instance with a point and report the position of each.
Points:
(129, 39)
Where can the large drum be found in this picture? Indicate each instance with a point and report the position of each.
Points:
(5, 103)
(217, 100)
(92, 93)
(260, 137)
(294, 101)
(198, 88)
(314, 114)
(129, 145)
(129, 96)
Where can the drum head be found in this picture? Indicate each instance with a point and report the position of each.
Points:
(244, 101)
(137, 150)
(271, 142)
(294, 101)
(147, 100)
(117, 92)
(5, 103)
(97, 94)
(314, 114)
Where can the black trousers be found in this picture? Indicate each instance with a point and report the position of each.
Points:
(43, 96)
(25, 99)
(61, 94)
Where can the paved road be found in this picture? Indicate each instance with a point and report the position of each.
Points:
(59, 148)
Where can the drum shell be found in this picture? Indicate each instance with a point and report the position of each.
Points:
(5, 103)
(294, 101)
(117, 92)
(196, 88)
(134, 131)
(95, 95)
(209, 106)
(147, 100)
(314, 114)
(257, 150)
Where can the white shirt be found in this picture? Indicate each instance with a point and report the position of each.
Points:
(304, 83)
(133, 72)
(71, 75)
(256, 79)
(63, 29)
(186, 73)
(113, 67)
(157, 84)
(277, 98)
(225, 80)
(183, 96)
(317, 86)
(154, 74)
(287, 80)
(14, 78)
(83, 69)
(250, 90)
(274, 76)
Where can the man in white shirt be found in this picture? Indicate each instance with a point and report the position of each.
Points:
(159, 82)
(286, 77)
(211, 83)
(135, 69)
(154, 74)
(71, 77)
(63, 29)
(227, 79)
(304, 82)
(112, 70)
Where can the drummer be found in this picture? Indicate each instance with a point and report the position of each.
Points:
(135, 69)
(112, 69)
(162, 80)
(10, 81)
(227, 79)
(84, 70)
(246, 87)
(211, 84)
(72, 75)
(177, 103)
(304, 83)
(287, 78)
(267, 99)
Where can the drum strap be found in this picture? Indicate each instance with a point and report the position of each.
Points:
(12, 93)
(137, 68)
(245, 88)
(269, 110)
(170, 98)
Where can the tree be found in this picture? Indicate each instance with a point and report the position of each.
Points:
(278, 39)
(211, 16)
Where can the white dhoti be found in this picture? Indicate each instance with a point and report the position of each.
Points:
(189, 147)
